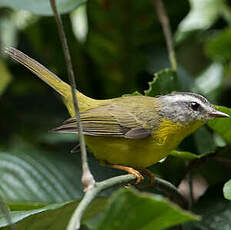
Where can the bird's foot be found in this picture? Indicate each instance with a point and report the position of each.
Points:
(127, 169)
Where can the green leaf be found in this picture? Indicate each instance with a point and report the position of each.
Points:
(227, 190)
(185, 155)
(222, 126)
(219, 47)
(19, 206)
(42, 7)
(34, 176)
(53, 216)
(201, 16)
(164, 82)
(130, 209)
(39, 177)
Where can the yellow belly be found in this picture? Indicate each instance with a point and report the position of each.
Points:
(141, 153)
(135, 153)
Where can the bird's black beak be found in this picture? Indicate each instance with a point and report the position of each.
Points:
(216, 113)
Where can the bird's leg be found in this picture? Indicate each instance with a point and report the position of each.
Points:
(127, 169)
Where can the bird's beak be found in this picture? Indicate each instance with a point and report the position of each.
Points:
(216, 113)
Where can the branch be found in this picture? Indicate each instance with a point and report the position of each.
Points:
(160, 184)
(87, 178)
(171, 192)
(164, 21)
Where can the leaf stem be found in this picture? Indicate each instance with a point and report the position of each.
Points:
(190, 184)
(164, 21)
(87, 178)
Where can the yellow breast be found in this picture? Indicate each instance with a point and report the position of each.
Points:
(140, 153)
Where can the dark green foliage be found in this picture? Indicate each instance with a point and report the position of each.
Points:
(124, 51)
(219, 47)
(164, 82)
(215, 215)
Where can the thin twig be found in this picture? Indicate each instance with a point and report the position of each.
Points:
(160, 184)
(190, 184)
(171, 192)
(5, 211)
(87, 178)
(164, 21)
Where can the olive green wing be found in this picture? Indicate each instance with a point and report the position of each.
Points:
(108, 120)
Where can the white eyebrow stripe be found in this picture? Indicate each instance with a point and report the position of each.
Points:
(189, 98)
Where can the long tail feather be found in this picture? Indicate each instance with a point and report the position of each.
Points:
(41, 71)
(52, 80)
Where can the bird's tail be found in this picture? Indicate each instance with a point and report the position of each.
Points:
(51, 79)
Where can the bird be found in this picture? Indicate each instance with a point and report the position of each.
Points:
(129, 133)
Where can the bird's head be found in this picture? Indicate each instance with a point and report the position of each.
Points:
(186, 108)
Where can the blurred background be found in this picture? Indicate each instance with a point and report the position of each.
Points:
(116, 47)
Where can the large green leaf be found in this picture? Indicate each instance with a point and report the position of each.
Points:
(222, 126)
(30, 179)
(164, 82)
(129, 209)
(39, 176)
(201, 16)
(53, 216)
(42, 7)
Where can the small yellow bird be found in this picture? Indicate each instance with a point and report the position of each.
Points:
(130, 131)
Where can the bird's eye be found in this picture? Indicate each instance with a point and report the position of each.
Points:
(195, 106)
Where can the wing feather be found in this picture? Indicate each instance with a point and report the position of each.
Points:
(108, 120)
